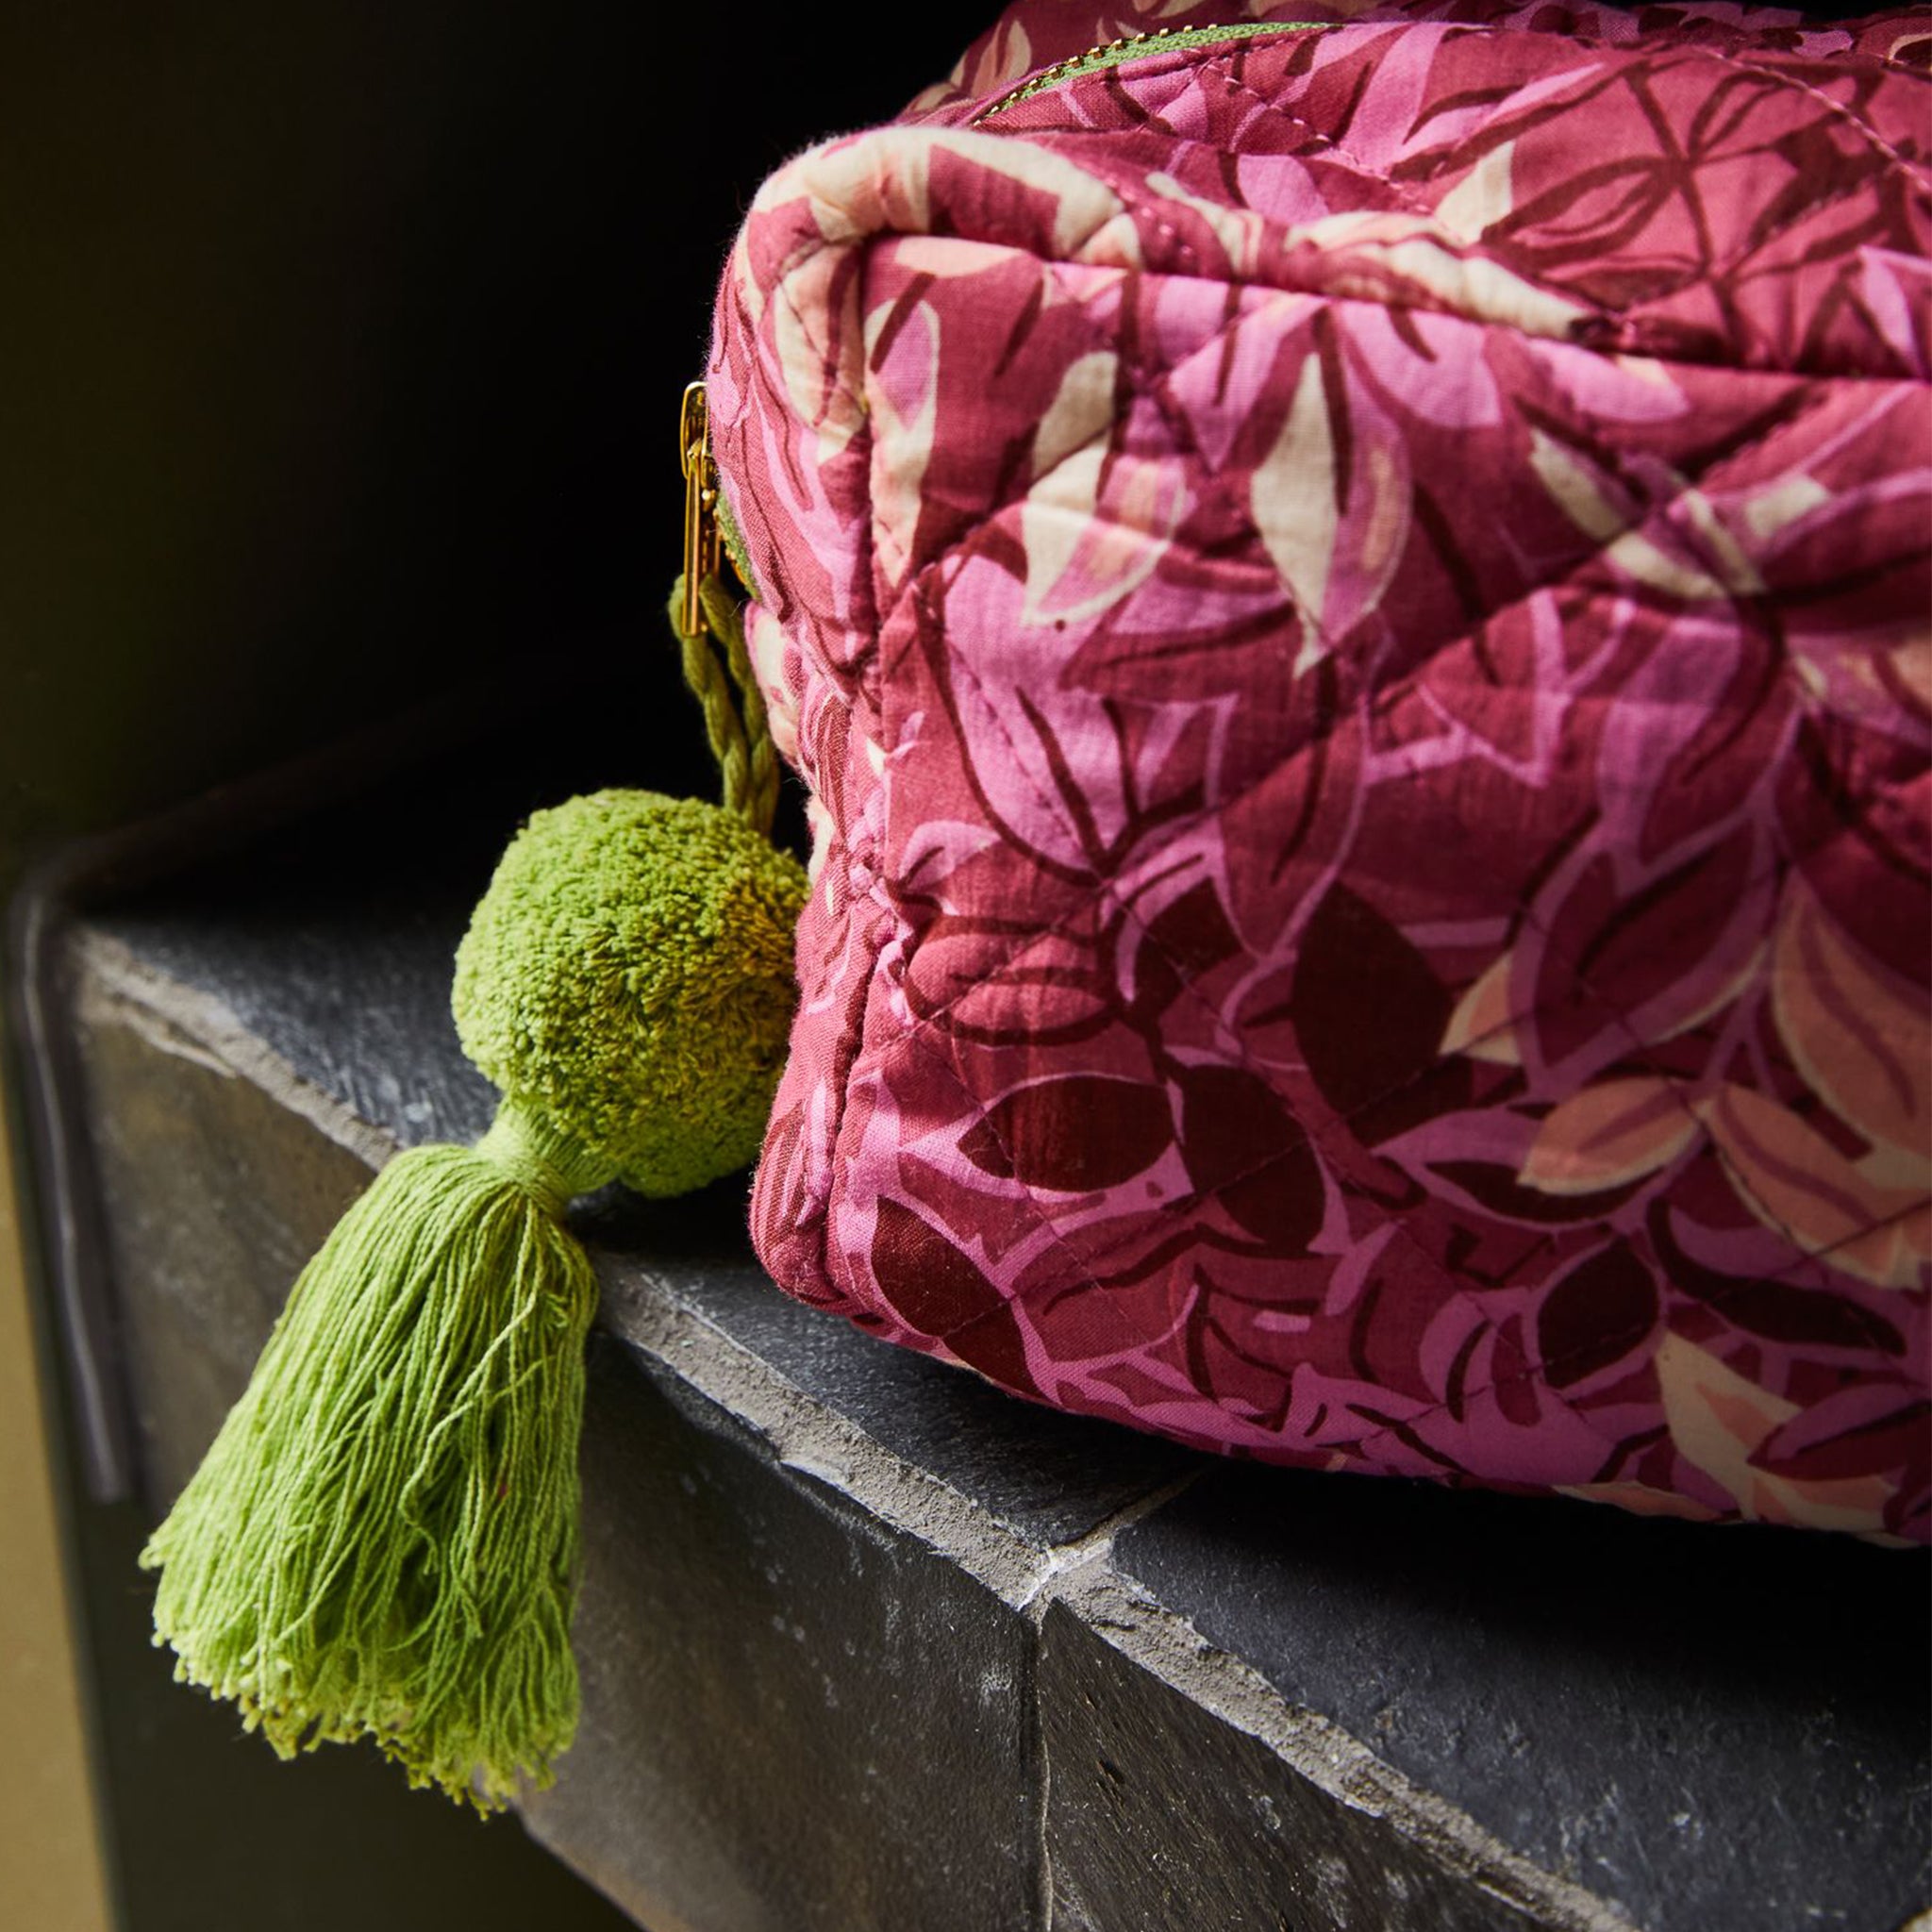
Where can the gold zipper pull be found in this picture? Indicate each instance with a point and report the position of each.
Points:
(701, 546)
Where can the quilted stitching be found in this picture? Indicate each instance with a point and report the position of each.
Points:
(1538, 1389)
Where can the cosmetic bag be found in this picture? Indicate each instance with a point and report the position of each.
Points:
(1351, 593)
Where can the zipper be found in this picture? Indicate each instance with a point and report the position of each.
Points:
(706, 615)
(701, 545)
(1163, 39)
(712, 539)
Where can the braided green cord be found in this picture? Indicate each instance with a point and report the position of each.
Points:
(725, 616)
(736, 723)
(708, 684)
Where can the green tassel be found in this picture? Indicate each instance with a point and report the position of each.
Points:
(383, 1541)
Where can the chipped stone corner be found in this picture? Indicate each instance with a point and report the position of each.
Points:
(113, 988)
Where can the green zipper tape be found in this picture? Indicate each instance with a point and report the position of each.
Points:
(1141, 47)
(734, 545)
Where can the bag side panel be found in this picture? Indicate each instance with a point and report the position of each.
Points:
(1372, 834)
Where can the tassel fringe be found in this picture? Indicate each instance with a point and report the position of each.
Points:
(383, 1539)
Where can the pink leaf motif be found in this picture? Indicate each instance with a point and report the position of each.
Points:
(1795, 1181)
(1717, 1419)
(1600, 507)
(903, 386)
(1896, 289)
(1607, 1135)
(1481, 1024)
(1640, 1499)
(1331, 501)
(1863, 1047)
(1611, 389)
(1094, 528)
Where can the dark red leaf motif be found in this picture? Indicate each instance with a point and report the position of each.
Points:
(1783, 1311)
(934, 1285)
(1368, 1012)
(1595, 1315)
(1073, 1134)
(1231, 1121)
(995, 1347)
(1607, 950)
(1243, 1147)
(1185, 941)
(1498, 1190)
(1515, 1382)
(1869, 1445)
(1382, 1352)
(939, 1291)
(1223, 1369)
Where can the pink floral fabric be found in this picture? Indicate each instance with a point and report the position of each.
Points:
(1352, 602)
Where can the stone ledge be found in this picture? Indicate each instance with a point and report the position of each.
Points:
(868, 1644)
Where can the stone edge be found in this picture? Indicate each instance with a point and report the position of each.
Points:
(113, 987)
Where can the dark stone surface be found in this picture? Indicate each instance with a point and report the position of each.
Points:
(1160, 1818)
(796, 1719)
(795, 1716)
(1721, 1729)
(347, 980)
(358, 1007)
(215, 1195)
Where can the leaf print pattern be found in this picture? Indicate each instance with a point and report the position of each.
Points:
(1607, 1134)
(1352, 606)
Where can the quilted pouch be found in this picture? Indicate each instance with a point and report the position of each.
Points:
(1351, 593)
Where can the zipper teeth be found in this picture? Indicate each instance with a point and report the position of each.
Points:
(1110, 53)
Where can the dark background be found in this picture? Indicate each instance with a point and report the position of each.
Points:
(342, 346)
(340, 352)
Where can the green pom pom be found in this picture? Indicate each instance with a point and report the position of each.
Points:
(629, 974)
(383, 1539)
